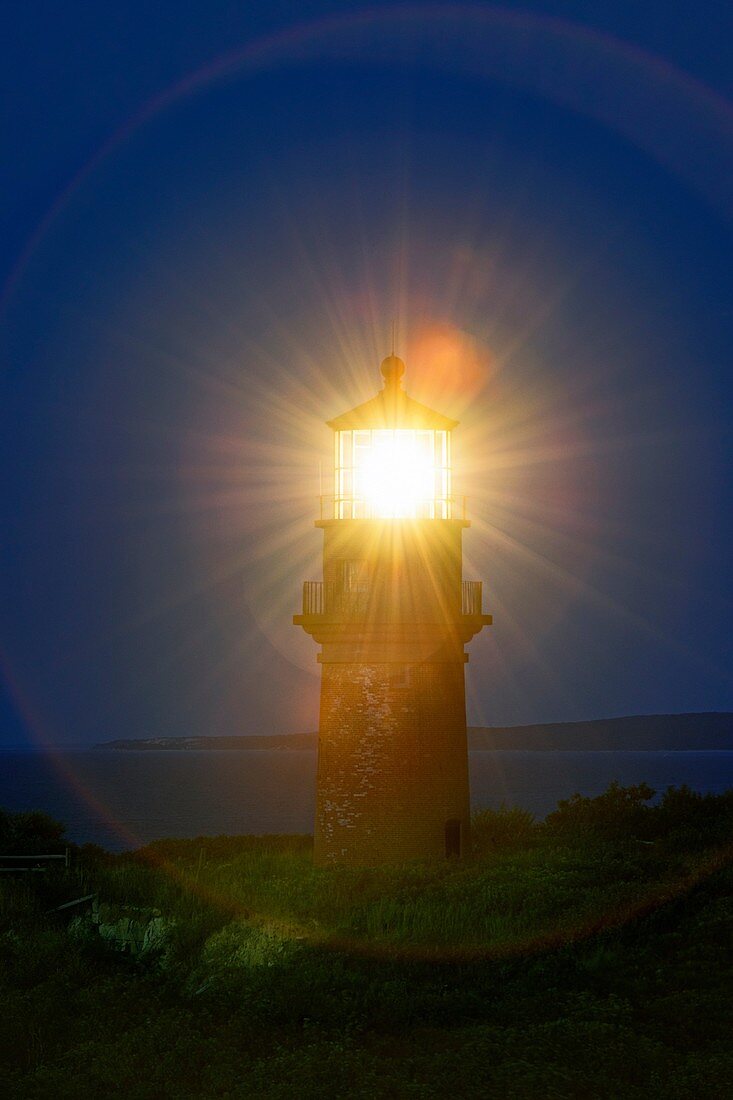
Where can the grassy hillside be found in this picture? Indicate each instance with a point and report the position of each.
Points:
(587, 956)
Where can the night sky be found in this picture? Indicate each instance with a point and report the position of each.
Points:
(211, 215)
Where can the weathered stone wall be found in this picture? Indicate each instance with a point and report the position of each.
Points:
(392, 761)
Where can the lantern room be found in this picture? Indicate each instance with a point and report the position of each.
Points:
(392, 456)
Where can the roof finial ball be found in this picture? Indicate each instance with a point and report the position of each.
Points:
(392, 369)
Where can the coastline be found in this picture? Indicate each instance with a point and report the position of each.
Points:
(697, 732)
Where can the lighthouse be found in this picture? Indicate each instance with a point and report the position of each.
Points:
(392, 617)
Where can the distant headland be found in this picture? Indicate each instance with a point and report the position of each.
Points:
(672, 732)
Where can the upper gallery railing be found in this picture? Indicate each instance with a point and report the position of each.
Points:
(322, 598)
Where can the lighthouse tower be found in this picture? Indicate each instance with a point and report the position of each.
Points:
(392, 616)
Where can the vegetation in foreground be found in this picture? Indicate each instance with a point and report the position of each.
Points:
(589, 955)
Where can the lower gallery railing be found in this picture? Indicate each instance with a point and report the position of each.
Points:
(322, 598)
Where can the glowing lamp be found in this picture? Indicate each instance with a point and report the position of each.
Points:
(392, 456)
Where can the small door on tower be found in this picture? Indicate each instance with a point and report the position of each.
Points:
(453, 838)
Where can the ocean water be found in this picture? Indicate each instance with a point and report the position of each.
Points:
(124, 799)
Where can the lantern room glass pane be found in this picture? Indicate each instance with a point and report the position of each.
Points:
(345, 448)
(386, 473)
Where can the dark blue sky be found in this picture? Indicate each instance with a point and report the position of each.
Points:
(209, 221)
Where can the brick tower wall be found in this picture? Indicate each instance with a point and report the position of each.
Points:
(392, 761)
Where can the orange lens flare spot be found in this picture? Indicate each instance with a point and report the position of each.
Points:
(451, 364)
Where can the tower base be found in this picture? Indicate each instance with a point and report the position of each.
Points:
(392, 763)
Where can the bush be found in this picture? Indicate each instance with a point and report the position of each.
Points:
(501, 830)
(32, 829)
(617, 813)
(692, 819)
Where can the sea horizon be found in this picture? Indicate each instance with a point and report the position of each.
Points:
(125, 799)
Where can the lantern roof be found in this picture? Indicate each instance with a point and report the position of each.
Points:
(392, 407)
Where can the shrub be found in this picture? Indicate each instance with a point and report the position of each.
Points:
(693, 819)
(618, 812)
(499, 830)
(31, 829)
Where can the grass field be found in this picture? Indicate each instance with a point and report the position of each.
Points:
(587, 956)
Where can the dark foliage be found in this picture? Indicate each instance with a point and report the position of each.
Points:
(618, 812)
(599, 964)
(501, 830)
(30, 831)
(680, 816)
